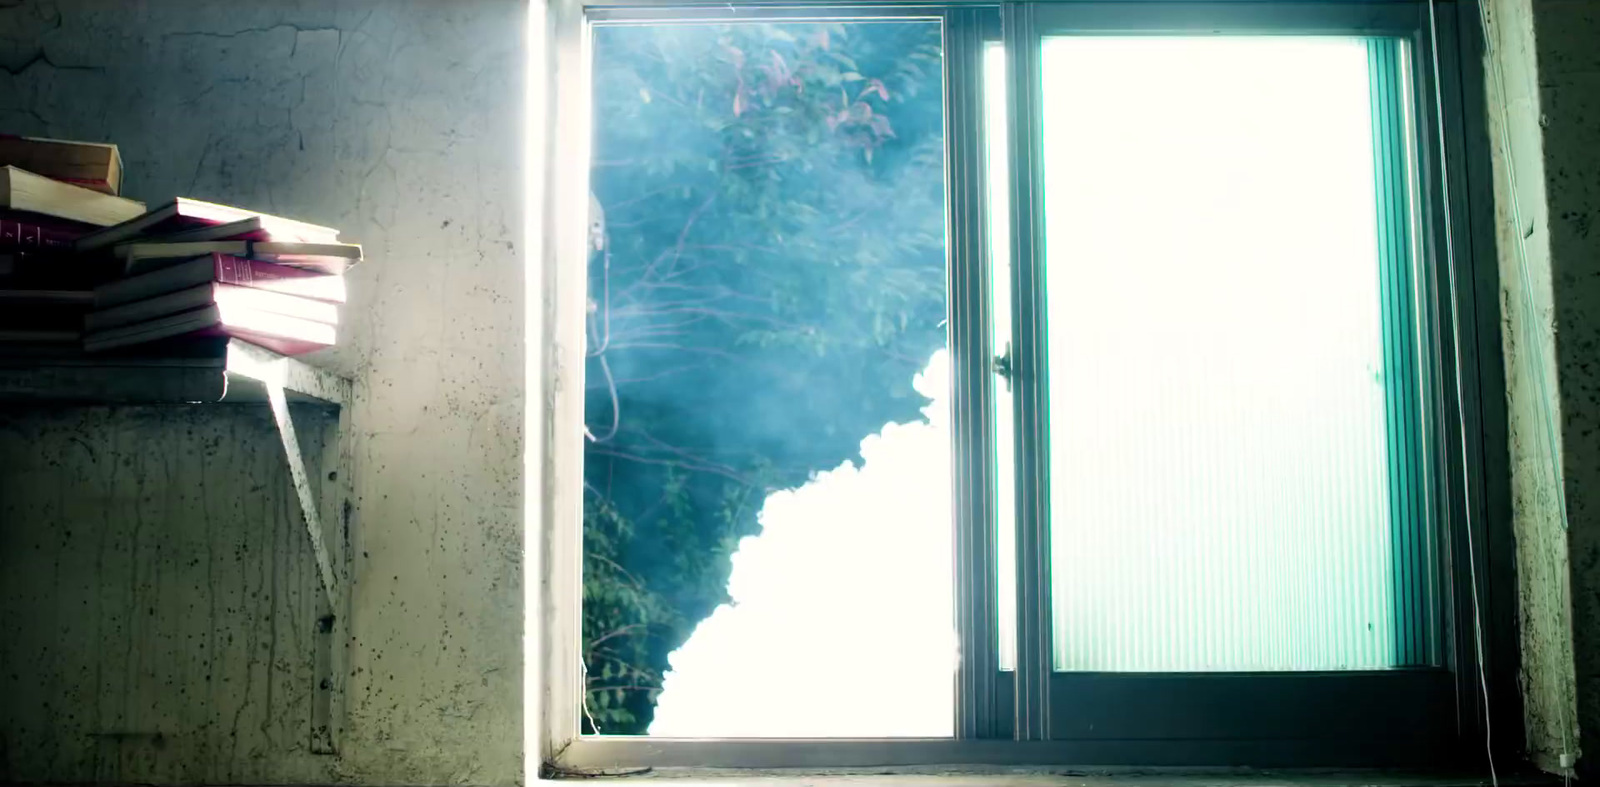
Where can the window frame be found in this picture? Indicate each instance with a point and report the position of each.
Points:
(1078, 709)
(990, 730)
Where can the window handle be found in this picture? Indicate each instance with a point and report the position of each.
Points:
(1003, 366)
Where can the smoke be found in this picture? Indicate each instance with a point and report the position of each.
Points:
(766, 292)
(841, 622)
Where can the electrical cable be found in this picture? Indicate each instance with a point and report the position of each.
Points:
(604, 340)
(1455, 328)
(616, 407)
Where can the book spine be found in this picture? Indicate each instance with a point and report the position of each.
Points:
(26, 236)
(278, 278)
(277, 344)
(232, 270)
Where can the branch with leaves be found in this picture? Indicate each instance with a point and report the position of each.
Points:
(773, 277)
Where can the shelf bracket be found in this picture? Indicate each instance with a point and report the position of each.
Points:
(322, 631)
(278, 376)
(302, 489)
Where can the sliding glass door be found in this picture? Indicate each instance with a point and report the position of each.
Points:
(1154, 453)
(1230, 526)
(1221, 450)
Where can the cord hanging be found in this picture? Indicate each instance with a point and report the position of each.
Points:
(1455, 329)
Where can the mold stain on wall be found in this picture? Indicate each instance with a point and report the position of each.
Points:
(399, 122)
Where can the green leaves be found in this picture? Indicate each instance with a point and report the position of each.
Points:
(775, 213)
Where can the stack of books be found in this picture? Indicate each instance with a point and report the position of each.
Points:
(97, 276)
(51, 194)
(196, 268)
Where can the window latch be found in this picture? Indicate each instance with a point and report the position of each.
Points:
(1003, 366)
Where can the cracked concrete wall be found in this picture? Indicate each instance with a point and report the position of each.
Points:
(158, 595)
(1544, 100)
(399, 122)
(1567, 42)
(1526, 313)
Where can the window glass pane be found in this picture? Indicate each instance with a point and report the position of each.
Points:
(994, 98)
(767, 517)
(1227, 440)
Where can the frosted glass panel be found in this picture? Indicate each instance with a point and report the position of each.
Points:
(1220, 464)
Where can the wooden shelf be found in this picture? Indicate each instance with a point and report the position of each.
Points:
(241, 372)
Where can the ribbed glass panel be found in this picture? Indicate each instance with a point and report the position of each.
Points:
(1393, 175)
(1232, 427)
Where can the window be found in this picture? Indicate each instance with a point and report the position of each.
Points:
(767, 461)
(1042, 383)
(1236, 475)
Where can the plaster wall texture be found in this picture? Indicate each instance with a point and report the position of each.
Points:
(399, 122)
(1544, 105)
(1527, 314)
(1567, 43)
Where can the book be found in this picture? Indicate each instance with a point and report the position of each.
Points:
(51, 269)
(277, 332)
(180, 351)
(212, 293)
(323, 257)
(41, 317)
(34, 336)
(253, 228)
(27, 296)
(92, 165)
(184, 213)
(24, 190)
(22, 231)
(224, 269)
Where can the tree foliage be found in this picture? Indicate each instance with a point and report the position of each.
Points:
(772, 277)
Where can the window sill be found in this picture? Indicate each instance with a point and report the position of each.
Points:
(1059, 777)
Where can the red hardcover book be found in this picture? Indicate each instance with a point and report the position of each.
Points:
(20, 231)
(287, 279)
(277, 344)
(222, 268)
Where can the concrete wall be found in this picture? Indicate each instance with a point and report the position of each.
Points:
(400, 122)
(158, 598)
(1545, 122)
(1527, 316)
(1567, 35)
